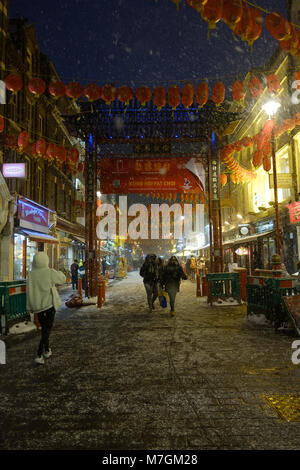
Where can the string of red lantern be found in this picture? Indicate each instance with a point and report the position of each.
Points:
(174, 96)
(263, 150)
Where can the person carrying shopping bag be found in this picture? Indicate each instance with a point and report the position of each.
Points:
(43, 299)
(173, 273)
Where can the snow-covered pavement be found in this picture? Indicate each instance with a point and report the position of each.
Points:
(122, 378)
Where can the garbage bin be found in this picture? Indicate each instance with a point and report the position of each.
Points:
(13, 302)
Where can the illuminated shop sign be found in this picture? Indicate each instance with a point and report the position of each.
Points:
(242, 251)
(31, 213)
(14, 170)
(294, 209)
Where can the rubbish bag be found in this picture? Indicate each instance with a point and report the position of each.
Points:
(163, 300)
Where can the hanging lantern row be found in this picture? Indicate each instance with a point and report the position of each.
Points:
(173, 96)
(246, 22)
(40, 149)
(262, 142)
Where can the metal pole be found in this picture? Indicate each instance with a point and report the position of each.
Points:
(210, 209)
(277, 220)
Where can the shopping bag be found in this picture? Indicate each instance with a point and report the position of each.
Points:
(163, 300)
(56, 298)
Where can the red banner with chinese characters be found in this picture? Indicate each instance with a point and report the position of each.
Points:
(294, 209)
(143, 175)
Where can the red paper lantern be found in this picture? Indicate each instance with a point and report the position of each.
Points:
(255, 87)
(10, 141)
(36, 86)
(187, 97)
(232, 12)
(292, 44)
(41, 147)
(257, 158)
(212, 12)
(233, 177)
(13, 82)
(267, 148)
(92, 92)
(160, 97)
(124, 94)
(23, 140)
(278, 26)
(108, 94)
(202, 94)
(174, 96)
(73, 155)
(297, 119)
(74, 90)
(237, 91)
(247, 141)
(273, 83)
(267, 163)
(1, 124)
(60, 153)
(143, 94)
(51, 151)
(32, 150)
(57, 89)
(197, 4)
(218, 93)
(223, 179)
(255, 29)
(243, 26)
(268, 126)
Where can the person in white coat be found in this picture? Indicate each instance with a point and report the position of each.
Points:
(42, 299)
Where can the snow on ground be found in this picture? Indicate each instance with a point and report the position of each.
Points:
(22, 327)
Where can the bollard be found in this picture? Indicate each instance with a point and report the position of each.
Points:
(99, 305)
(198, 291)
(80, 287)
(103, 291)
(205, 286)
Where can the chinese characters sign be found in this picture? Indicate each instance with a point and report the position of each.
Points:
(134, 175)
(294, 209)
(214, 180)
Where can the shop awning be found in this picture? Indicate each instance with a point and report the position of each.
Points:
(239, 241)
(40, 237)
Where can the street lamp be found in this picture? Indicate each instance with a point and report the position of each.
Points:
(271, 107)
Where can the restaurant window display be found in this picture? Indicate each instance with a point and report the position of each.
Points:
(24, 251)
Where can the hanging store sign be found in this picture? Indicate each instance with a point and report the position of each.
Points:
(215, 180)
(284, 180)
(14, 170)
(31, 215)
(294, 210)
(133, 175)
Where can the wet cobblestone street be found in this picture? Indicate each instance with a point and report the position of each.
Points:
(122, 378)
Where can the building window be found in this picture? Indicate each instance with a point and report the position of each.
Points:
(39, 184)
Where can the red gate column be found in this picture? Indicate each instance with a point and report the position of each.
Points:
(90, 217)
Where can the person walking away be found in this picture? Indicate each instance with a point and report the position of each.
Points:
(173, 273)
(193, 268)
(188, 268)
(41, 298)
(74, 274)
(104, 266)
(149, 273)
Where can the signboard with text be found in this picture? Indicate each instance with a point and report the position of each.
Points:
(31, 213)
(284, 180)
(14, 170)
(294, 209)
(134, 175)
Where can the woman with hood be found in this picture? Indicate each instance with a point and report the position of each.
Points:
(173, 273)
(149, 273)
(42, 299)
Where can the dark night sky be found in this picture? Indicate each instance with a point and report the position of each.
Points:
(139, 41)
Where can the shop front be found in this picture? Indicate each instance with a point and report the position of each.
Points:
(71, 238)
(31, 234)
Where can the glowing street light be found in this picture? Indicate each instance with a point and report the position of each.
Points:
(271, 107)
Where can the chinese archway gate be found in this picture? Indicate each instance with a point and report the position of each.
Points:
(103, 127)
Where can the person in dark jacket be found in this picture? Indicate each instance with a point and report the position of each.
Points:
(74, 274)
(149, 273)
(160, 271)
(173, 273)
